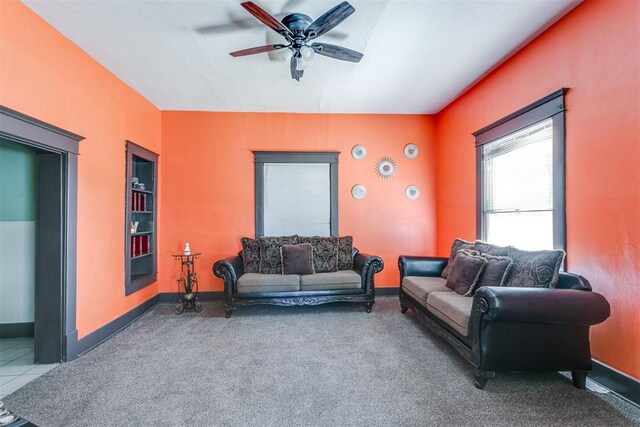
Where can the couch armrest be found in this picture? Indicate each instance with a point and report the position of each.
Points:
(229, 269)
(421, 266)
(541, 305)
(366, 265)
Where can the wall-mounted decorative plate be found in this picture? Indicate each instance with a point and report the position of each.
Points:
(359, 192)
(385, 167)
(412, 192)
(411, 151)
(359, 152)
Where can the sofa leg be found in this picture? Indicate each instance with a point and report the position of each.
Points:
(368, 306)
(480, 378)
(403, 308)
(579, 379)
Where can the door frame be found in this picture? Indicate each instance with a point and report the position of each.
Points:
(57, 185)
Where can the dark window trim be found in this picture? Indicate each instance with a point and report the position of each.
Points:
(55, 325)
(262, 157)
(552, 105)
(131, 149)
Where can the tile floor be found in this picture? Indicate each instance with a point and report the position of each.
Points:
(16, 364)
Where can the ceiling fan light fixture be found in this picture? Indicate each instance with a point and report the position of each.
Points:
(307, 53)
(285, 55)
(301, 64)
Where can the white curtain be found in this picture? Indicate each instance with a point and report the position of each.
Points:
(297, 199)
(518, 188)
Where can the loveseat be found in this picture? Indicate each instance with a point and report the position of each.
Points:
(521, 314)
(298, 270)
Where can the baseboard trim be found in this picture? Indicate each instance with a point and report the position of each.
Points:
(618, 382)
(105, 332)
(382, 292)
(16, 330)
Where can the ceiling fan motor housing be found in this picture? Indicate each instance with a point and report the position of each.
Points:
(297, 23)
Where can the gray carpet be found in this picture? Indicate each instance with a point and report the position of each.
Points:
(325, 365)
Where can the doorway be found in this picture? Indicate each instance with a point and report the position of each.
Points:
(54, 248)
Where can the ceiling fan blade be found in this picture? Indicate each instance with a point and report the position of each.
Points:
(329, 20)
(337, 52)
(254, 50)
(295, 73)
(267, 19)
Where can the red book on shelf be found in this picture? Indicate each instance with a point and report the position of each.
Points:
(140, 238)
(133, 246)
(145, 244)
(143, 199)
(134, 198)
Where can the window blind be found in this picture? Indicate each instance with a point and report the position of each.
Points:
(297, 199)
(518, 188)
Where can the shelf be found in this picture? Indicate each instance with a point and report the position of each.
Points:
(140, 207)
(142, 191)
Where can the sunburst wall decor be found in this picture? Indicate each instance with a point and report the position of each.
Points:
(385, 167)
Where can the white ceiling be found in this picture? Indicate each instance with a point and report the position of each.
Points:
(418, 55)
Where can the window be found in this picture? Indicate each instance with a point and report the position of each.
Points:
(296, 193)
(520, 165)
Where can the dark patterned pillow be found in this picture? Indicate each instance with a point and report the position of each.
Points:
(457, 245)
(534, 269)
(297, 259)
(345, 253)
(496, 271)
(250, 255)
(270, 260)
(325, 253)
(465, 272)
(491, 249)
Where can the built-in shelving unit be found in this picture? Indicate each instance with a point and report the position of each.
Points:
(140, 215)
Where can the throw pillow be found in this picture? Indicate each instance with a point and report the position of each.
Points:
(465, 272)
(345, 253)
(297, 259)
(534, 269)
(496, 271)
(491, 249)
(325, 253)
(270, 260)
(250, 255)
(457, 245)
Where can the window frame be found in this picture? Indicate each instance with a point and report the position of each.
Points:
(552, 105)
(262, 157)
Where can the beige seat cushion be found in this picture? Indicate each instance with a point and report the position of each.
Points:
(420, 287)
(344, 279)
(256, 282)
(452, 308)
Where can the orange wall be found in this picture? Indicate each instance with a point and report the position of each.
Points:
(44, 75)
(594, 51)
(208, 182)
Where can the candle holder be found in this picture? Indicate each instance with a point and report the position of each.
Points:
(187, 284)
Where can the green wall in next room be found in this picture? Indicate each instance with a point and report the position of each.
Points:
(17, 182)
(17, 232)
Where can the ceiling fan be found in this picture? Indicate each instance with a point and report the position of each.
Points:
(298, 30)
